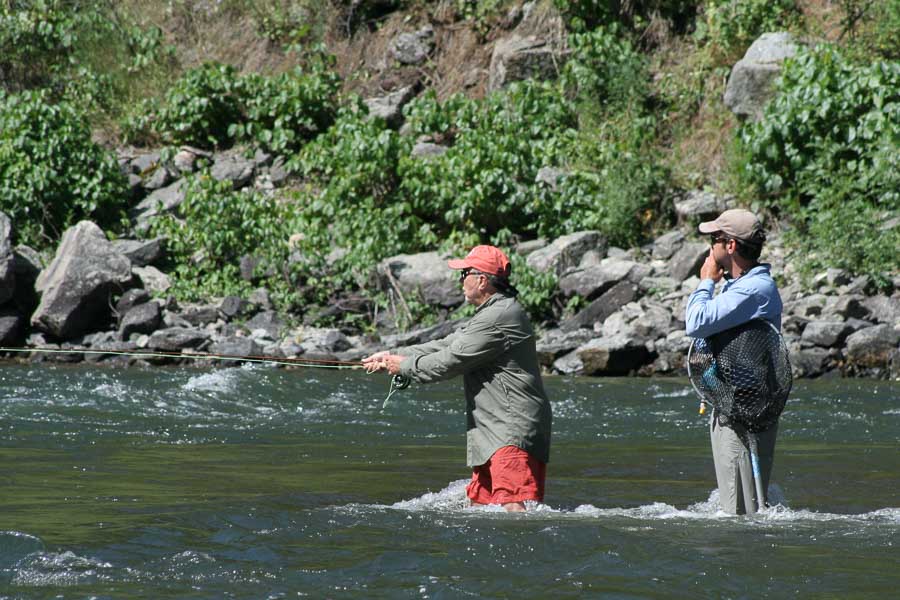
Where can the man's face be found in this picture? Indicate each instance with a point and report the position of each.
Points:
(472, 283)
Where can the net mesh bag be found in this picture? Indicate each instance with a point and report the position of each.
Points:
(744, 373)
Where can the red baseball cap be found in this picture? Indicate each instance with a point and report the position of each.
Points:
(486, 259)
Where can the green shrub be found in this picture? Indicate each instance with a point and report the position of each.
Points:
(216, 226)
(51, 173)
(199, 109)
(283, 112)
(484, 183)
(826, 151)
(349, 215)
(730, 26)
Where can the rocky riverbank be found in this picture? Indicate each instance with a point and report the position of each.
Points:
(97, 295)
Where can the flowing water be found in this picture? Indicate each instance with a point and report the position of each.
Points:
(270, 483)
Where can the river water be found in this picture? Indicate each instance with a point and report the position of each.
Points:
(256, 482)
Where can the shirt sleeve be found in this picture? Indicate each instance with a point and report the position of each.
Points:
(706, 316)
(469, 349)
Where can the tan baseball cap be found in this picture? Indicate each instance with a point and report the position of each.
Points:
(737, 223)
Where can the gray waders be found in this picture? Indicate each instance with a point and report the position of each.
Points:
(734, 471)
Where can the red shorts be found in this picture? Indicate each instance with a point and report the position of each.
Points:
(511, 475)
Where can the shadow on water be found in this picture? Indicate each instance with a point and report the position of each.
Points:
(256, 482)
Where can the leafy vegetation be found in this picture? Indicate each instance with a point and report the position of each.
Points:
(599, 148)
(828, 144)
(51, 173)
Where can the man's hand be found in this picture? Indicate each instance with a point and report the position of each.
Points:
(383, 361)
(711, 269)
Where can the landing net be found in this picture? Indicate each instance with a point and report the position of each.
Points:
(744, 373)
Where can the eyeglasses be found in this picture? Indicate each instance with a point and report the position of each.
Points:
(715, 239)
(466, 272)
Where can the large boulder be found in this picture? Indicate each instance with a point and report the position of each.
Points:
(233, 167)
(566, 252)
(390, 106)
(554, 343)
(77, 287)
(872, 347)
(424, 276)
(163, 200)
(592, 281)
(413, 48)
(12, 326)
(597, 311)
(176, 339)
(7, 260)
(141, 253)
(617, 355)
(826, 333)
(517, 58)
(143, 318)
(700, 205)
(687, 260)
(752, 79)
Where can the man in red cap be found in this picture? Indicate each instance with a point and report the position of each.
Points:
(507, 411)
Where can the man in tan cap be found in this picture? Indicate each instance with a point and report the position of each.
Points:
(507, 411)
(736, 240)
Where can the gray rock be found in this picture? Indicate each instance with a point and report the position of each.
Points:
(143, 318)
(566, 252)
(7, 260)
(278, 172)
(826, 333)
(832, 277)
(848, 306)
(423, 335)
(130, 299)
(427, 150)
(141, 253)
(883, 309)
(529, 246)
(390, 107)
(687, 260)
(597, 311)
(666, 245)
(161, 201)
(549, 176)
(154, 280)
(269, 321)
(807, 307)
(593, 281)
(236, 346)
(809, 362)
(700, 205)
(176, 339)
(554, 343)
(76, 288)
(159, 177)
(751, 83)
(659, 286)
(424, 275)
(617, 355)
(413, 48)
(233, 306)
(144, 164)
(233, 167)
(517, 58)
(12, 326)
(321, 341)
(872, 347)
(569, 364)
(200, 314)
(260, 299)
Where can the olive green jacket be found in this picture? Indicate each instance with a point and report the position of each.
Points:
(505, 400)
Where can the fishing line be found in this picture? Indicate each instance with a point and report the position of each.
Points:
(398, 382)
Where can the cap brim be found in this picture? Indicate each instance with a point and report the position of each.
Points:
(458, 263)
(709, 227)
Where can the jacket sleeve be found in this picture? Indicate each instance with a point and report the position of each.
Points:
(706, 316)
(427, 347)
(477, 345)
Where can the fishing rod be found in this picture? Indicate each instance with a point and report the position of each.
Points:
(398, 382)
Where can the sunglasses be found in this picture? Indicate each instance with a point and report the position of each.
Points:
(466, 272)
(715, 239)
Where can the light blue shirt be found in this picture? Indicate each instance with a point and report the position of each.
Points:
(753, 295)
